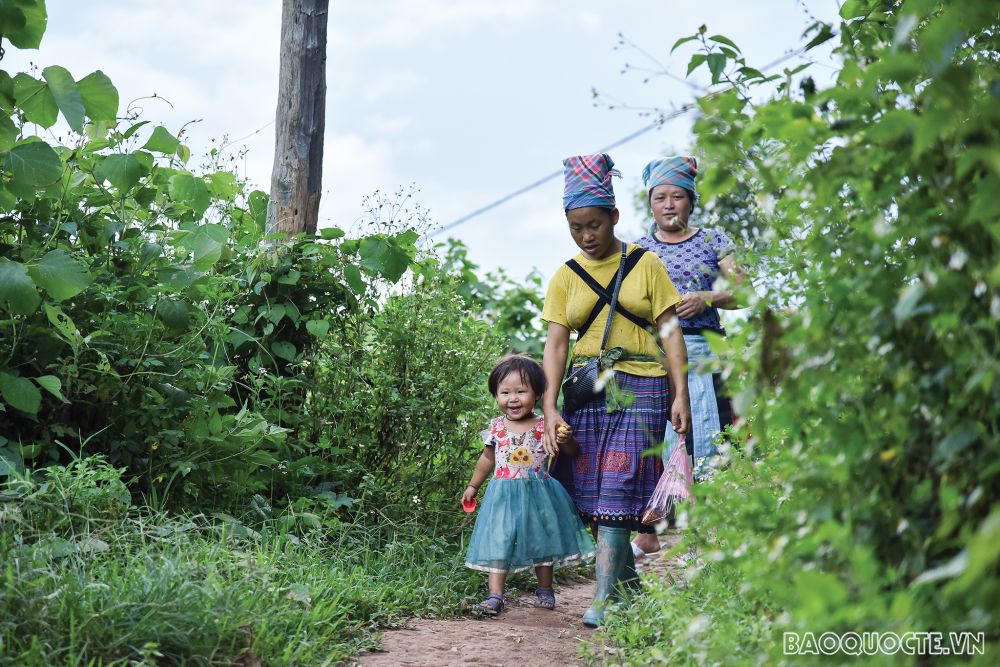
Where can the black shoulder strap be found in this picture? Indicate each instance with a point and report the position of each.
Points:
(604, 293)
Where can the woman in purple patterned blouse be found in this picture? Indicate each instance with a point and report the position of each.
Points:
(695, 257)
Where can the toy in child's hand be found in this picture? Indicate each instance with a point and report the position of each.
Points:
(469, 506)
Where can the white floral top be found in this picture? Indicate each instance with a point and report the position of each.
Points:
(517, 455)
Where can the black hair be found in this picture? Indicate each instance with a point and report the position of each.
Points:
(530, 371)
(610, 210)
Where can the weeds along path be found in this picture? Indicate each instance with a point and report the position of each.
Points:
(521, 635)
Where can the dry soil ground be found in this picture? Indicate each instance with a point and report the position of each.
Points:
(522, 635)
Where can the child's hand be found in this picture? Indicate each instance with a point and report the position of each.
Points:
(550, 439)
(469, 495)
(564, 438)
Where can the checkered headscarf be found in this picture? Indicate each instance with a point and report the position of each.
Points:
(588, 181)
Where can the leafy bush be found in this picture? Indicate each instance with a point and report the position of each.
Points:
(145, 316)
(866, 497)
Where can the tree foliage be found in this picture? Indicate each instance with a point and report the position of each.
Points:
(144, 318)
(867, 493)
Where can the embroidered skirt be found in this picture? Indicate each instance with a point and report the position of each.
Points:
(610, 480)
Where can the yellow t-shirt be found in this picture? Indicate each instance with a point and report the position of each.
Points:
(646, 292)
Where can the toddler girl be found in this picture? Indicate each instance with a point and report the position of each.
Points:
(527, 519)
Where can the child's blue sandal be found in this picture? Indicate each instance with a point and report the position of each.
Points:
(545, 598)
(492, 605)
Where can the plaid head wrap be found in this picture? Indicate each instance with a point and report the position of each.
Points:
(677, 170)
(588, 181)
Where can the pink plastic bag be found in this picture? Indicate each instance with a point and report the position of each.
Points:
(674, 486)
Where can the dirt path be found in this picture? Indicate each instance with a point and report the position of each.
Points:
(521, 635)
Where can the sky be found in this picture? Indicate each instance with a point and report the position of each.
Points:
(466, 101)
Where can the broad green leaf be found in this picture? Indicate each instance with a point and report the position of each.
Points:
(853, 9)
(18, 294)
(276, 313)
(290, 278)
(716, 63)
(408, 238)
(722, 39)
(150, 251)
(51, 384)
(145, 160)
(384, 258)
(121, 170)
(6, 93)
(179, 278)
(100, 97)
(8, 200)
(223, 184)
(173, 313)
(238, 337)
(35, 99)
(683, 40)
(696, 59)
(891, 125)
(318, 328)
(191, 191)
(257, 205)
(23, 22)
(63, 324)
(61, 275)
(162, 141)
(824, 35)
(355, 279)
(206, 242)
(10, 460)
(283, 349)
(8, 133)
(33, 164)
(330, 233)
(20, 393)
(67, 96)
(133, 129)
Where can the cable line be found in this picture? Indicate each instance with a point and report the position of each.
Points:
(662, 120)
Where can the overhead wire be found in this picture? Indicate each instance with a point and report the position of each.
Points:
(659, 122)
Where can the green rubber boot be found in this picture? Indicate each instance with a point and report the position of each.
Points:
(630, 583)
(613, 550)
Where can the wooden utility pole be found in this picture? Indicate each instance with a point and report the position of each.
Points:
(297, 175)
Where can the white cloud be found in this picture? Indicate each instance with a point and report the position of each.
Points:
(352, 169)
(387, 125)
(408, 21)
(377, 88)
(590, 20)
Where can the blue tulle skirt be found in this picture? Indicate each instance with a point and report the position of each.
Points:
(524, 523)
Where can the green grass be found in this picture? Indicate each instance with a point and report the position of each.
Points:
(89, 581)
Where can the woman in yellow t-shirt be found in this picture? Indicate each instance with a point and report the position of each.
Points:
(609, 479)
